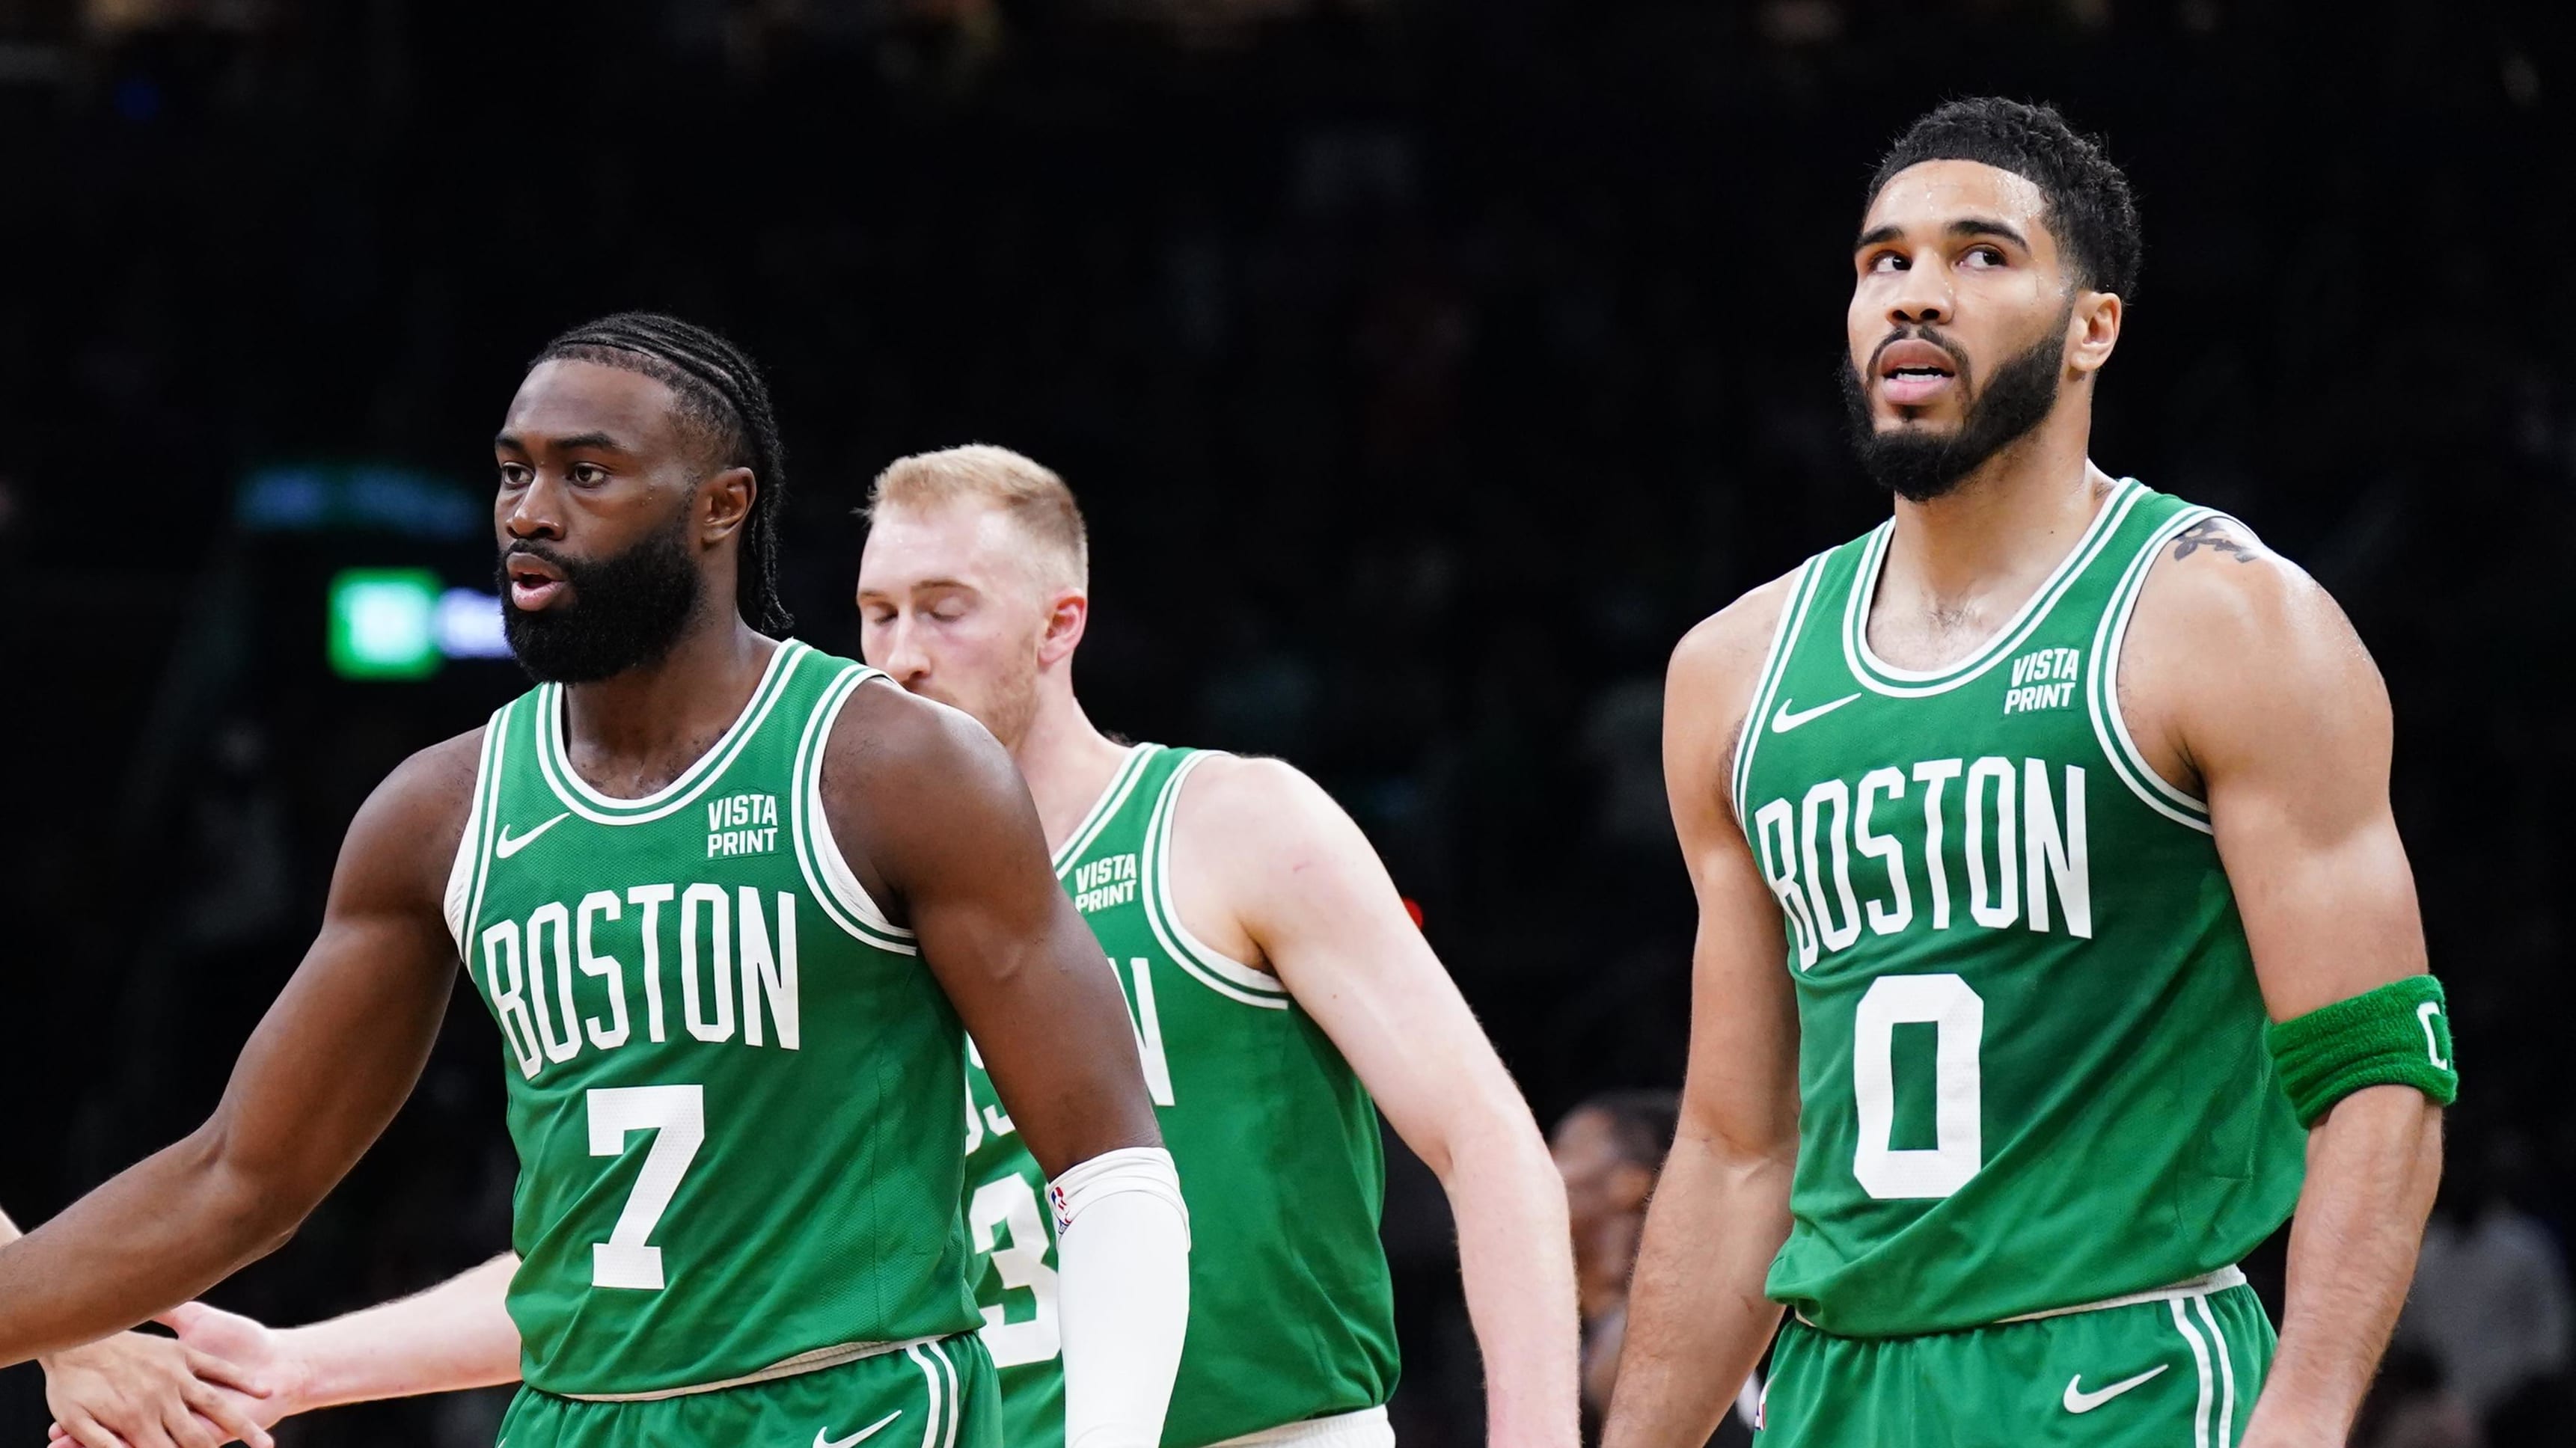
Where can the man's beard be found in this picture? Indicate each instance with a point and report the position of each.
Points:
(1919, 466)
(626, 610)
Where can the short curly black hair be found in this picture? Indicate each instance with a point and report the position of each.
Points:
(2090, 209)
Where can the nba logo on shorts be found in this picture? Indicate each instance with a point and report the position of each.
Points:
(1063, 1215)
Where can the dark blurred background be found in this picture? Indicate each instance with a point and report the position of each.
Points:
(1426, 366)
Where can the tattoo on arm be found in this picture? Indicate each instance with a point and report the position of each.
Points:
(2217, 536)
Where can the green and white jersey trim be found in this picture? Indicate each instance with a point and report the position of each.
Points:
(577, 794)
(1227, 977)
(818, 856)
(465, 877)
(1882, 677)
(1113, 798)
(1784, 638)
(2102, 683)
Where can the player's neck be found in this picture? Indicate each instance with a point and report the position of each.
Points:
(636, 731)
(2002, 530)
(1066, 760)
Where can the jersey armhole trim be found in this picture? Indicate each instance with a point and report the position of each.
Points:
(1775, 665)
(2102, 684)
(473, 866)
(818, 856)
(1218, 972)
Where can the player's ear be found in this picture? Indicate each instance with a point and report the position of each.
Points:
(2093, 330)
(1068, 614)
(724, 501)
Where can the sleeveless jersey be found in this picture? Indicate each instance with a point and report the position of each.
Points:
(2031, 1067)
(1291, 1307)
(732, 1084)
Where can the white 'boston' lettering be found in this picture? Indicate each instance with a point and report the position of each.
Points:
(2057, 856)
(597, 905)
(1838, 794)
(2026, 860)
(504, 982)
(719, 989)
(767, 976)
(652, 898)
(2004, 906)
(1885, 849)
(552, 915)
(1773, 825)
(1932, 774)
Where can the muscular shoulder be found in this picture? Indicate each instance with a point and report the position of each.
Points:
(1259, 844)
(890, 745)
(2233, 642)
(909, 783)
(1710, 682)
(1726, 648)
(404, 839)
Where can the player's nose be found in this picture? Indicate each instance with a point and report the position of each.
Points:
(533, 513)
(1923, 295)
(905, 659)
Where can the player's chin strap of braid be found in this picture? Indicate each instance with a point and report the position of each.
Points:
(2397, 1035)
(1123, 1268)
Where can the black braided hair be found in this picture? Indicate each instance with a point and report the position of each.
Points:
(721, 390)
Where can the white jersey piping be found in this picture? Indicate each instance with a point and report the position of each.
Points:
(576, 792)
(1775, 665)
(1210, 967)
(804, 1362)
(818, 856)
(1366, 1428)
(2201, 1286)
(1879, 676)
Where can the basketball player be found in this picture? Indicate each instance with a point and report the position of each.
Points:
(1281, 996)
(729, 900)
(2070, 802)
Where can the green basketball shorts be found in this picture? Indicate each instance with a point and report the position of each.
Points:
(2175, 1372)
(934, 1395)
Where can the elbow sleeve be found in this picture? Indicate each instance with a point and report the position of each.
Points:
(1123, 1249)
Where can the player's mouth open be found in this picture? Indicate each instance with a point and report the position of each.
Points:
(534, 583)
(1912, 373)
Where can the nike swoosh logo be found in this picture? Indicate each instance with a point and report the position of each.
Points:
(505, 847)
(821, 1440)
(1785, 720)
(2080, 1401)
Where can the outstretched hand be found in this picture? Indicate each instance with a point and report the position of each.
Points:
(216, 1383)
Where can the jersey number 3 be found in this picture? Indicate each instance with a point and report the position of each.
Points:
(1958, 1017)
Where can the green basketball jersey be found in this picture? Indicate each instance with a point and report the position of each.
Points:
(1291, 1308)
(2031, 1067)
(732, 1084)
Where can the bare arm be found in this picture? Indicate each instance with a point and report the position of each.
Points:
(1697, 1314)
(132, 1390)
(1273, 852)
(2252, 688)
(946, 827)
(323, 1073)
(930, 810)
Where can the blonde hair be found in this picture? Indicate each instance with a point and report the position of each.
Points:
(1029, 494)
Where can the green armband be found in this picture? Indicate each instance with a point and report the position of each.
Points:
(2397, 1035)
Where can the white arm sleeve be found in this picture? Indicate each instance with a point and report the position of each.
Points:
(1123, 1252)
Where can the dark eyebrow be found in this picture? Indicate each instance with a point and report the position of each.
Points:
(1964, 226)
(592, 441)
(1988, 226)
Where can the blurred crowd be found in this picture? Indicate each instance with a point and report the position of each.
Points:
(1427, 367)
